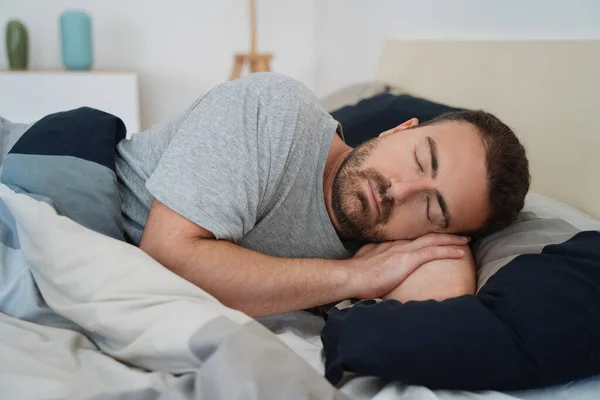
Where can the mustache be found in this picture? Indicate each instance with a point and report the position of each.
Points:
(382, 184)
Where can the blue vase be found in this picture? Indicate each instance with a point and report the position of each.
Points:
(76, 40)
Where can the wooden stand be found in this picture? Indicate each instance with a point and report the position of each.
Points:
(257, 62)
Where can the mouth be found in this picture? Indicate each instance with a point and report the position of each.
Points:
(371, 194)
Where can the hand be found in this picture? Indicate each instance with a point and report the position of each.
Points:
(378, 268)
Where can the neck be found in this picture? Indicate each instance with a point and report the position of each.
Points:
(338, 151)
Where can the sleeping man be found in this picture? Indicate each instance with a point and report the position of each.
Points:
(252, 195)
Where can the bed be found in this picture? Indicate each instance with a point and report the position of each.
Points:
(94, 327)
(546, 91)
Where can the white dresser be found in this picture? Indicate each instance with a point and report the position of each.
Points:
(28, 96)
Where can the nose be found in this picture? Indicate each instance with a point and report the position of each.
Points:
(403, 190)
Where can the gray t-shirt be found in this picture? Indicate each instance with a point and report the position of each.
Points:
(244, 162)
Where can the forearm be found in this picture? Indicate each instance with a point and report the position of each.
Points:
(438, 280)
(255, 283)
(259, 284)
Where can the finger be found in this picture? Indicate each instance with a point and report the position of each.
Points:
(425, 255)
(437, 239)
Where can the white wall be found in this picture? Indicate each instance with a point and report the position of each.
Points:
(350, 33)
(180, 48)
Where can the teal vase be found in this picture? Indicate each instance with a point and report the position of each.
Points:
(76, 40)
(17, 45)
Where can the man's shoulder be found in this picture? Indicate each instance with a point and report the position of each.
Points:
(271, 80)
(279, 87)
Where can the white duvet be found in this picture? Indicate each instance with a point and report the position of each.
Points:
(110, 321)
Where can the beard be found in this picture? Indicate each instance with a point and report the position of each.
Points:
(349, 202)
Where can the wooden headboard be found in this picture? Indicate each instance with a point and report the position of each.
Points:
(547, 91)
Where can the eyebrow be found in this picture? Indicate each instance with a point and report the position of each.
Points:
(434, 171)
(434, 156)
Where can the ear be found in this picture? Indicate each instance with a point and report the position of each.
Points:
(405, 125)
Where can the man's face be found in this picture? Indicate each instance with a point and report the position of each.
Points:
(407, 183)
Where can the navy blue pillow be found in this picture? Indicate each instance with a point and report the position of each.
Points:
(369, 117)
(535, 323)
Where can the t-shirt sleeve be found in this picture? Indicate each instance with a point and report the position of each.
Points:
(210, 171)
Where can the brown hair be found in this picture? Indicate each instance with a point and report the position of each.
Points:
(507, 167)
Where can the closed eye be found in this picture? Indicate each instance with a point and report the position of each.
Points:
(427, 210)
(417, 161)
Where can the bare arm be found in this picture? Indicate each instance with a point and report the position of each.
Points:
(259, 284)
(438, 280)
(247, 280)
